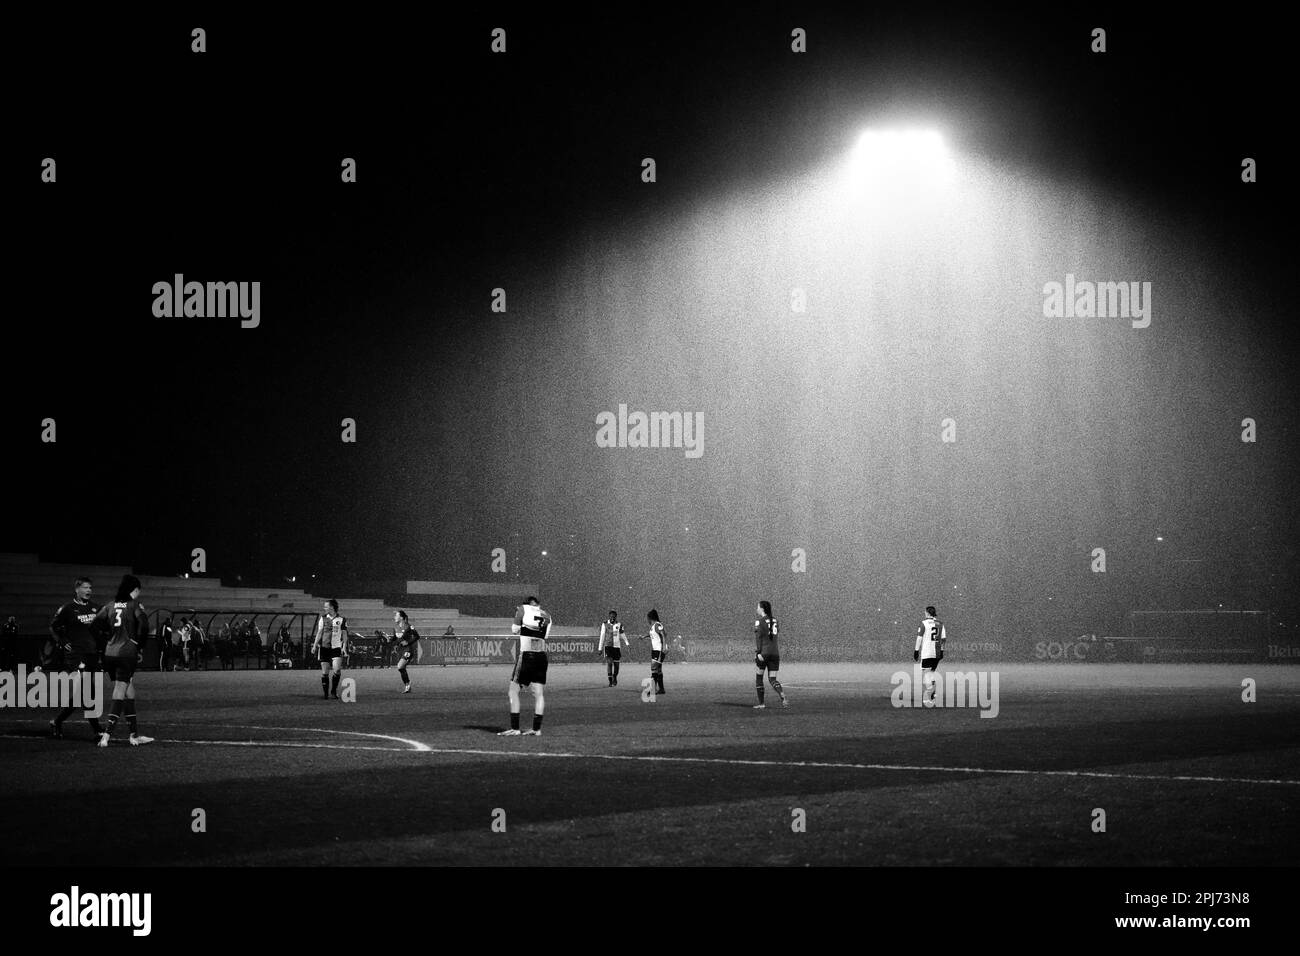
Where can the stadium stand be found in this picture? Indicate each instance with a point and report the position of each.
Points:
(32, 590)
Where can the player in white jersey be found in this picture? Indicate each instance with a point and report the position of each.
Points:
(930, 638)
(331, 644)
(658, 645)
(532, 624)
(612, 641)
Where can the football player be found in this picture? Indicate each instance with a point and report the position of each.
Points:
(930, 638)
(532, 624)
(70, 628)
(657, 647)
(767, 654)
(127, 627)
(612, 642)
(330, 644)
(407, 640)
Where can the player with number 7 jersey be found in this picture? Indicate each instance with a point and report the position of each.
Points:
(532, 626)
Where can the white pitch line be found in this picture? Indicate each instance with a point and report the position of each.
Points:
(868, 766)
(415, 745)
(282, 743)
(412, 746)
(418, 747)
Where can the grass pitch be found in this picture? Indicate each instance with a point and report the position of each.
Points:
(1185, 771)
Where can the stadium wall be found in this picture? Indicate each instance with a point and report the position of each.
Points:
(579, 648)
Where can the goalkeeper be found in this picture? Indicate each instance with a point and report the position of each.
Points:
(767, 655)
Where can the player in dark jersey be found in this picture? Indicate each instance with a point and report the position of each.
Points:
(407, 641)
(767, 655)
(330, 644)
(126, 627)
(532, 624)
(73, 636)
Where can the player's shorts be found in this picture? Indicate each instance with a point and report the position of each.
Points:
(656, 661)
(327, 654)
(771, 662)
(120, 668)
(530, 668)
(614, 653)
(75, 660)
(930, 663)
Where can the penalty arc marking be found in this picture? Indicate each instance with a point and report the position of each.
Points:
(410, 746)
(413, 746)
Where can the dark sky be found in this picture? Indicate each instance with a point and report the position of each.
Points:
(477, 430)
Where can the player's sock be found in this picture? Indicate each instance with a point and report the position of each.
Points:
(659, 683)
(616, 672)
(514, 720)
(113, 716)
(334, 682)
(406, 681)
(537, 721)
(63, 715)
(776, 686)
(325, 684)
(758, 686)
(130, 717)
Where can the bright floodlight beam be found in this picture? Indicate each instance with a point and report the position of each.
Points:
(886, 162)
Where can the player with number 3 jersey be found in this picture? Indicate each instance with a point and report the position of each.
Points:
(126, 626)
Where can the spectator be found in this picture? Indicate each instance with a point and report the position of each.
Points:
(188, 644)
(227, 640)
(202, 646)
(282, 653)
(450, 632)
(175, 653)
(165, 644)
(257, 641)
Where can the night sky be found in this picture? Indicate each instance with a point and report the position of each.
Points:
(477, 430)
